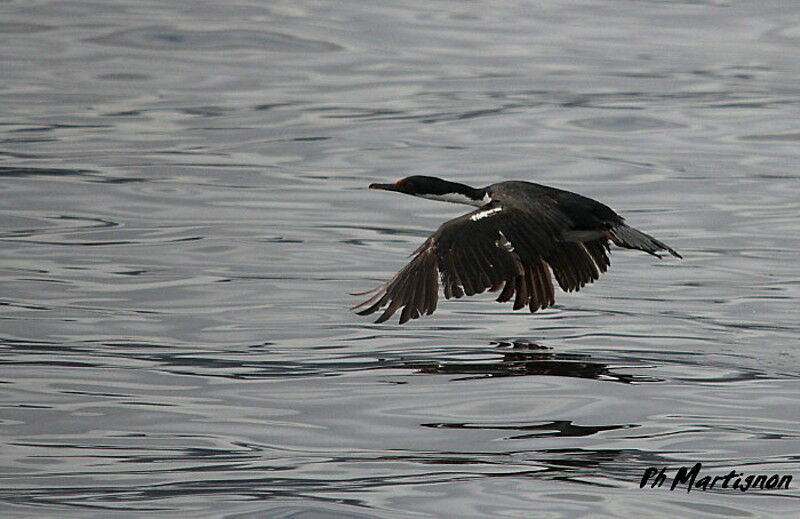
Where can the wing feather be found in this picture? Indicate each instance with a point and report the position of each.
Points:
(496, 247)
(543, 286)
(450, 278)
(598, 249)
(521, 284)
(572, 265)
(507, 293)
(466, 274)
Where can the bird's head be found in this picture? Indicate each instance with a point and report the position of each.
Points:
(434, 188)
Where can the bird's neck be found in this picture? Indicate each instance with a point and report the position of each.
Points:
(461, 194)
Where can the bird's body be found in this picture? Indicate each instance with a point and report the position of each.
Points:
(519, 232)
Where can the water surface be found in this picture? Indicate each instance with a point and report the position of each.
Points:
(185, 211)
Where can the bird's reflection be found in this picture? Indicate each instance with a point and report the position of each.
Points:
(536, 430)
(526, 358)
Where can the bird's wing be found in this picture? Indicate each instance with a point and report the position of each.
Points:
(495, 247)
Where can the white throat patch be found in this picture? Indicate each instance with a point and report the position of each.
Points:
(458, 198)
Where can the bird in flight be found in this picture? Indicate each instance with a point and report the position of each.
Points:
(519, 232)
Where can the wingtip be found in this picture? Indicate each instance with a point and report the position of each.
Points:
(671, 251)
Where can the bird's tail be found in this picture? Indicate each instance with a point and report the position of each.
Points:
(630, 238)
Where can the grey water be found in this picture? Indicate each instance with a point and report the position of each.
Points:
(183, 213)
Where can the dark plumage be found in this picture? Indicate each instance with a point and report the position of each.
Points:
(519, 233)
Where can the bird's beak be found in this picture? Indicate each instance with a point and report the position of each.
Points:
(385, 187)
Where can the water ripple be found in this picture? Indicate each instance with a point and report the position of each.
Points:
(185, 210)
(173, 39)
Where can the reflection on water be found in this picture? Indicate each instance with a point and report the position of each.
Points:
(532, 359)
(556, 428)
(185, 211)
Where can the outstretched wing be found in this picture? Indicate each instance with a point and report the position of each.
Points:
(496, 247)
